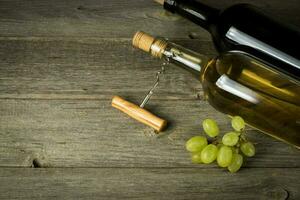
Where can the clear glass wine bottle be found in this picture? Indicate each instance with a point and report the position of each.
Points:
(235, 83)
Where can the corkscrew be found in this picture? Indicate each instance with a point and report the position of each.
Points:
(138, 112)
(150, 93)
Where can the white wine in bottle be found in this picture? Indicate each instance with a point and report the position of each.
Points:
(238, 84)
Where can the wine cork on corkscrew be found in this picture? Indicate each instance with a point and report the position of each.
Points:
(139, 113)
(142, 41)
(160, 1)
(149, 44)
(156, 47)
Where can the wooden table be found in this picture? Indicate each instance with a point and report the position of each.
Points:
(60, 64)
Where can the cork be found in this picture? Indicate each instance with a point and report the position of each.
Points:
(160, 1)
(142, 41)
(149, 44)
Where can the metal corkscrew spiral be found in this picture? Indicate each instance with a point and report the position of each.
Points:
(150, 93)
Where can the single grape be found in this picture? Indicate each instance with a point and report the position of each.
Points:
(196, 144)
(209, 153)
(196, 157)
(238, 123)
(248, 149)
(236, 163)
(230, 139)
(224, 156)
(210, 127)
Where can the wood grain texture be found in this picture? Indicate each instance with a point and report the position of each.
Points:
(109, 18)
(147, 183)
(60, 64)
(95, 67)
(90, 133)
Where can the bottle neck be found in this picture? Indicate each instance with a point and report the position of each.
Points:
(173, 53)
(197, 12)
(185, 58)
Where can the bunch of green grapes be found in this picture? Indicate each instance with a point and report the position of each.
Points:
(227, 151)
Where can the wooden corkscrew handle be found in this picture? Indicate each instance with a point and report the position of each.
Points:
(139, 113)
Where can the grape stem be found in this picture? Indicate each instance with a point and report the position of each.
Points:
(216, 141)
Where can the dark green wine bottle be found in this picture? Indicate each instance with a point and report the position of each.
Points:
(244, 27)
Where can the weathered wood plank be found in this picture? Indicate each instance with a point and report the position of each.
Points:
(39, 68)
(116, 183)
(94, 70)
(60, 63)
(90, 133)
(109, 18)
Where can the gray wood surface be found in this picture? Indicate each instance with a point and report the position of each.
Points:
(60, 64)
(148, 183)
(89, 133)
(113, 18)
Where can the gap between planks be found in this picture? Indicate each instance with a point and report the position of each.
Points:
(85, 38)
(89, 97)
